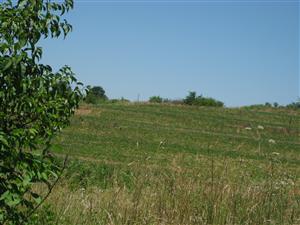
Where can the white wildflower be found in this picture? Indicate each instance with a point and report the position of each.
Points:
(260, 127)
(275, 153)
(272, 141)
(248, 128)
(82, 191)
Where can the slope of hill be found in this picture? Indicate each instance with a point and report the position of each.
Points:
(128, 132)
(166, 164)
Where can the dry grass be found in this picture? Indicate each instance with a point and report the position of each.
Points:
(83, 111)
(217, 191)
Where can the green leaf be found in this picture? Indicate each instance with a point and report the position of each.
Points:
(3, 141)
(8, 64)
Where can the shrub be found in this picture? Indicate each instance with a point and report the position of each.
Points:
(193, 99)
(155, 99)
(268, 104)
(115, 100)
(294, 105)
(95, 95)
(35, 104)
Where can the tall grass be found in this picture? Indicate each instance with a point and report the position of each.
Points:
(214, 191)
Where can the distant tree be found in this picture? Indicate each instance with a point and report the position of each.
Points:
(95, 94)
(98, 92)
(155, 99)
(275, 104)
(294, 105)
(121, 100)
(268, 104)
(193, 99)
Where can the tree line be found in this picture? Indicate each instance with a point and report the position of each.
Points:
(96, 94)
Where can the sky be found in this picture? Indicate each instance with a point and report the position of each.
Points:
(240, 52)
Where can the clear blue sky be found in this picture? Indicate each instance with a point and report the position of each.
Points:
(240, 52)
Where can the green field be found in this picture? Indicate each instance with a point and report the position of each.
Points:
(171, 164)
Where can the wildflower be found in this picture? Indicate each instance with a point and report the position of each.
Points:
(260, 127)
(82, 191)
(275, 153)
(271, 141)
(248, 128)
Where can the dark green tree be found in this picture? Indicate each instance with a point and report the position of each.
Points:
(294, 105)
(95, 94)
(191, 98)
(267, 104)
(35, 103)
(155, 99)
(98, 92)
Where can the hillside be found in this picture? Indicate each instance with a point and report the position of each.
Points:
(167, 164)
(129, 132)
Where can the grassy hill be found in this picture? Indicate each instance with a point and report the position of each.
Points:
(125, 133)
(167, 164)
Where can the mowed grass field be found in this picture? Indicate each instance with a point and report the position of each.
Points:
(171, 164)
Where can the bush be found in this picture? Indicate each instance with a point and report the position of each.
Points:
(268, 104)
(193, 99)
(155, 99)
(35, 104)
(294, 105)
(115, 100)
(95, 95)
(91, 99)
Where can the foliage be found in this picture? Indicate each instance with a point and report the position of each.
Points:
(294, 105)
(35, 103)
(115, 100)
(193, 99)
(95, 94)
(155, 99)
(268, 104)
